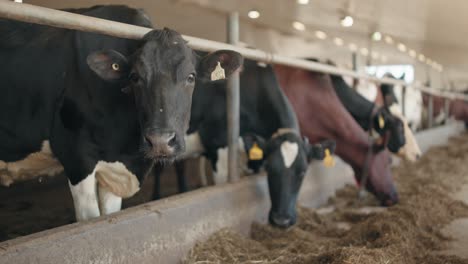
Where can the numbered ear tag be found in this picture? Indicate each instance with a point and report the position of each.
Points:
(218, 73)
(328, 161)
(255, 152)
(381, 122)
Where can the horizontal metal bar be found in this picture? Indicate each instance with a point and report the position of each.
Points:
(57, 18)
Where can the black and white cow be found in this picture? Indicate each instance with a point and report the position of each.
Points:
(369, 116)
(266, 121)
(109, 107)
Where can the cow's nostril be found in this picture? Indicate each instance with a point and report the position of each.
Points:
(172, 140)
(149, 141)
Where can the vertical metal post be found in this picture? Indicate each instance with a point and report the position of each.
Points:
(430, 111)
(355, 68)
(403, 100)
(233, 101)
(430, 106)
(447, 109)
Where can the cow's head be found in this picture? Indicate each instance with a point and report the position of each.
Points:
(388, 125)
(161, 76)
(379, 180)
(286, 158)
(286, 164)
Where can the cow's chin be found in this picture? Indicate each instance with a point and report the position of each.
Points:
(161, 159)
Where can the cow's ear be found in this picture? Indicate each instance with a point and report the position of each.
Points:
(321, 150)
(254, 146)
(219, 65)
(108, 64)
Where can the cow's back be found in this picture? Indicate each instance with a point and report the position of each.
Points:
(31, 74)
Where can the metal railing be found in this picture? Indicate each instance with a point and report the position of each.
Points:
(57, 18)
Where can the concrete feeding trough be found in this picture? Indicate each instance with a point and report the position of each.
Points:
(164, 231)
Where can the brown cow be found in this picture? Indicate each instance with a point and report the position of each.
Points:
(457, 108)
(322, 116)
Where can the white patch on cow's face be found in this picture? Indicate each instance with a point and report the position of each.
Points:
(108, 202)
(116, 178)
(85, 198)
(289, 152)
(36, 164)
(193, 145)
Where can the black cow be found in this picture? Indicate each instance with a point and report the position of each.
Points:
(110, 107)
(267, 120)
(369, 116)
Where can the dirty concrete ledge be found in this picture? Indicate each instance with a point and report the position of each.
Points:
(163, 231)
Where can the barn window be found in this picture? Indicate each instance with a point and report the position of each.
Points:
(396, 70)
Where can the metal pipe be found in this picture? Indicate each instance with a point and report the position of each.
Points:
(403, 101)
(355, 69)
(447, 109)
(430, 111)
(232, 104)
(51, 17)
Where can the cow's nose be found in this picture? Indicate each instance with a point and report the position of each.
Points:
(162, 143)
(281, 221)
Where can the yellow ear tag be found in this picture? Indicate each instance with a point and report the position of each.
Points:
(218, 73)
(255, 152)
(328, 161)
(381, 122)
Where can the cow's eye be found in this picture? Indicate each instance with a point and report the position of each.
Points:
(134, 78)
(191, 78)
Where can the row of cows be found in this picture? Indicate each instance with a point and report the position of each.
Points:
(111, 109)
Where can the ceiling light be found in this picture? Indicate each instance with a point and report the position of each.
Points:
(338, 41)
(376, 36)
(347, 21)
(353, 47)
(364, 51)
(298, 26)
(320, 34)
(254, 14)
(421, 57)
(428, 61)
(388, 39)
(303, 2)
(412, 53)
(401, 47)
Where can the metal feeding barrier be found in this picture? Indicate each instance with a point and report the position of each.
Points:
(56, 18)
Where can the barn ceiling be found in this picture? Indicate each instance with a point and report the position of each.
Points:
(432, 22)
(435, 28)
